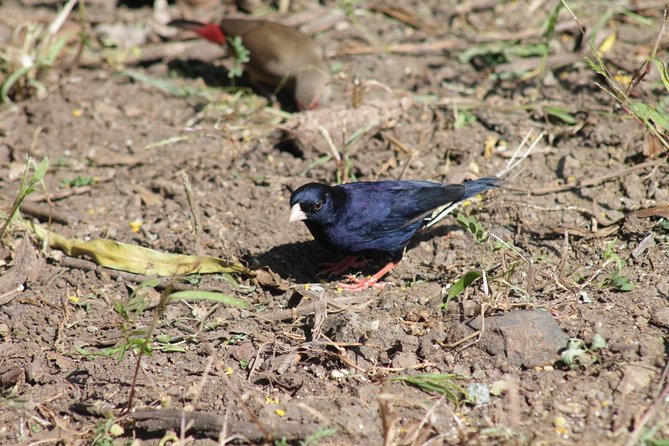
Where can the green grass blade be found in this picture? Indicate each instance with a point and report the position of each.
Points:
(192, 295)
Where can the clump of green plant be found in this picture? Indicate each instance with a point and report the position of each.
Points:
(654, 117)
(497, 53)
(242, 56)
(473, 226)
(578, 354)
(443, 384)
(130, 312)
(31, 52)
(78, 182)
(463, 118)
(104, 432)
(27, 187)
(616, 281)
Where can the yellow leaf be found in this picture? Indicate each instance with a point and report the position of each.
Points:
(137, 259)
(490, 144)
(228, 370)
(135, 226)
(561, 425)
(607, 44)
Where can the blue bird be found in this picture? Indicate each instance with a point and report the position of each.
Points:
(374, 216)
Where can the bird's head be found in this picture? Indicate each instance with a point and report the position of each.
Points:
(312, 88)
(312, 202)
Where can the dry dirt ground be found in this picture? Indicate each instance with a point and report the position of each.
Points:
(310, 364)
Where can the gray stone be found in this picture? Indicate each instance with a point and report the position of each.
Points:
(404, 360)
(661, 317)
(636, 378)
(526, 338)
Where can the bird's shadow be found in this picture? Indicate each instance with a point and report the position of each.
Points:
(212, 75)
(302, 261)
(218, 77)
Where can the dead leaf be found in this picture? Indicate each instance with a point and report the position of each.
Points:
(266, 278)
(657, 211)
(148, 198)
(137, 259)
(651, 146)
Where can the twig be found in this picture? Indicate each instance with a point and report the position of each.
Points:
(319, 24)
(164, 300)
(55, 26)
(404, 48)
(644, 69)
(194, 211)
(513, 161)
(412, 436)
(7, 297)
(60, 195)
(331, 145)
(593, 181)
(389, 418)
(44, 213)
(404, 16)
(205, 51)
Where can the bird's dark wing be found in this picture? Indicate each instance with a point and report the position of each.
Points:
(378, 208)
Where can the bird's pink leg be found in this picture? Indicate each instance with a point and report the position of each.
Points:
(362, 284)
(340, 267)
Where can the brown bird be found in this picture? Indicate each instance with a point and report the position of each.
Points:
(280, 56)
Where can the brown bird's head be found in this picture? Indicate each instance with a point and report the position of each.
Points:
(312, 88)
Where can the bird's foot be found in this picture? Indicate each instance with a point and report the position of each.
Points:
(357, 284)
(340, 267)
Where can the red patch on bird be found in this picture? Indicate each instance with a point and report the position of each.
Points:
(211, 32)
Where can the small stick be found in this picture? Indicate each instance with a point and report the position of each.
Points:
(404, 16)
(404, 48)
(206, 51)
(194, 211)
(593, 181)
(644, 69)
(148, 339)
(44, 214)
(7, 297)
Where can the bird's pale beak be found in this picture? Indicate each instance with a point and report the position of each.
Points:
(296, 213)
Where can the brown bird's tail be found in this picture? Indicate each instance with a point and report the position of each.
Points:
(209, 31)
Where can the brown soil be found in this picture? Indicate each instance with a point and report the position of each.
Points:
(305, 372)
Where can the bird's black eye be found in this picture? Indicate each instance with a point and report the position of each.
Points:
(318, 205)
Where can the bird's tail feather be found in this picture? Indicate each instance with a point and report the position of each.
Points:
(209, 31)
(481, 185)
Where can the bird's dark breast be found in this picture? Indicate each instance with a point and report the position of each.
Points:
(355, 240)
